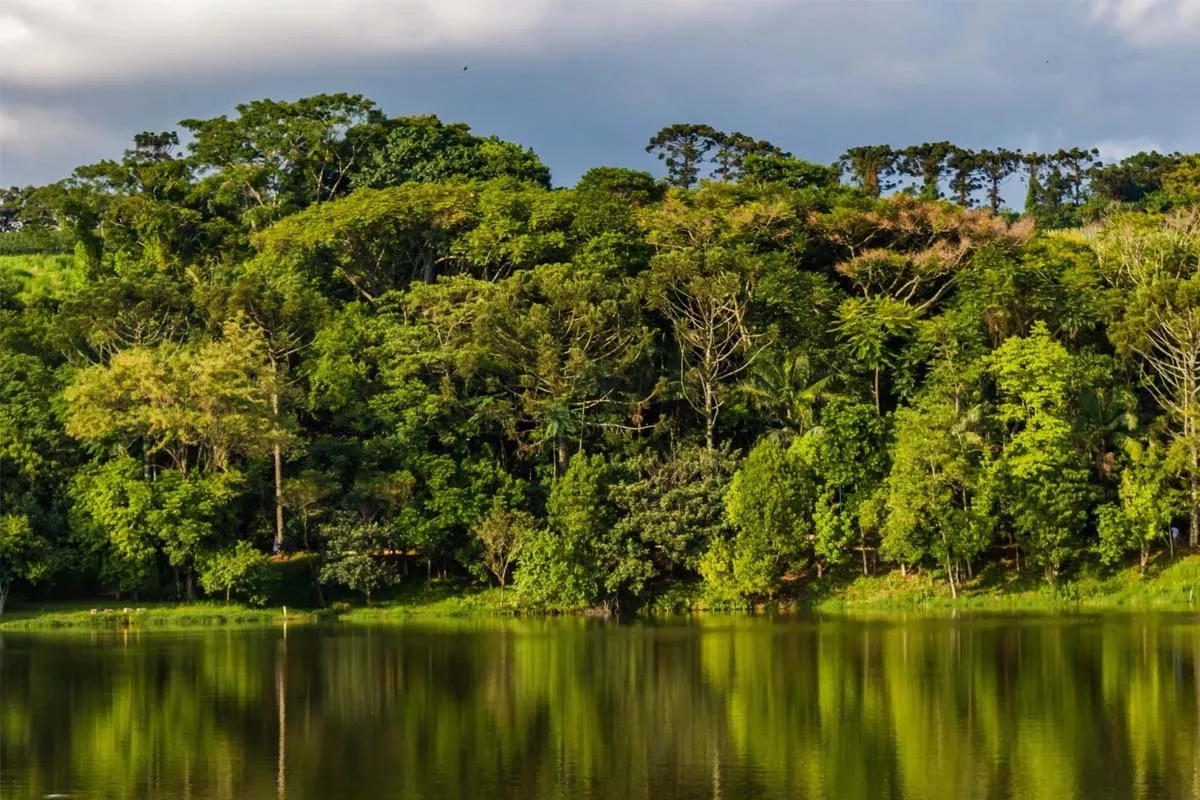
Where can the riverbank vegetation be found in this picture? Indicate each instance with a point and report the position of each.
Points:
(388, 351)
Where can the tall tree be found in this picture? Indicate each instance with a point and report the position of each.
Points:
(964, 175)
(871, 167)
(995, 167)
(732, 149)
(277, 157)
(683, 147)
(1157, 269)
(1076, 164)
(927, 163)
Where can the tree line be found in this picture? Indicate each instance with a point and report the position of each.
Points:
(1066, 188)
(391, 345)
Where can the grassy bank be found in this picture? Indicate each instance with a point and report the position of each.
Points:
(75, 616)
(1170, 587)
(1166, 586)
(439, 599)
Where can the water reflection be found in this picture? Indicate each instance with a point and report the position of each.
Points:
(719, 708)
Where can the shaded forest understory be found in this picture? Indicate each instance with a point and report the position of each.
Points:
(390, 351)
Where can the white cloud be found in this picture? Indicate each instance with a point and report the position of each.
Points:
(1115, 150)
(54, 43)
(587, 80)
(1151, 22)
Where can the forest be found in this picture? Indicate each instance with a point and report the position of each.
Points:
(311, 342)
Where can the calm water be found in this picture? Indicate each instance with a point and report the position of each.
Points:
(1078, 707)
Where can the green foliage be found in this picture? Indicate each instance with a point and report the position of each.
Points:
(23, 554)
(573, 563)
(1043, 477)
(502, 534)
(390, 341)
(770, 506)
(673, 504)
(34, 241)
(240, 570)
(938, 495)
(426, 150)
(125, 521)
(357, 555)
(1147, 504)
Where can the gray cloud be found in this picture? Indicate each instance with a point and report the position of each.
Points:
(586, 82)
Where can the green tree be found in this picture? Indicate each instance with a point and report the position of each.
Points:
(425, 149)
(673, 505)
(683, 147)
(926, 162)
(502, 534)
(357, 555)
(770, 506)
(871, 167)
(847, 454)
(1146, 505)
(937, 495)
(1044, 475)
(278, 157)
(560, 566)
(964, 175)
(240, 569)
(23, 554)
(995, 167)
(732, 150)
(1155, 266)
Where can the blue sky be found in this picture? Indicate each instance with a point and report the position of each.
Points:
(586, 82)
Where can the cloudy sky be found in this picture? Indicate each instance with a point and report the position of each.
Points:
(586, 82)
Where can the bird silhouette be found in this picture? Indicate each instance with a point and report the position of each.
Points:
(464, 69)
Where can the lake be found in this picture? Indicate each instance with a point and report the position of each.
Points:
(1079, 706)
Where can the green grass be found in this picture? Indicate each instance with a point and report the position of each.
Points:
(1166, 586)
(107, 616)
(1169, 586)
(436, 599)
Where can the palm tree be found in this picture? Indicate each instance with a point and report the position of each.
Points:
(783, 383)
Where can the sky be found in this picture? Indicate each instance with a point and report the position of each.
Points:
(587, 82)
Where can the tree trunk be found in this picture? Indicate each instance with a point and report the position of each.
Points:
(227, 593)
(563, 455)
(949, 566)
(878, 402)
(1194, 481)
(278, 452)
(710, 418)
(189, 585)
(4, 587)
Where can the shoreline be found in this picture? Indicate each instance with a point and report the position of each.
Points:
(1171, 588)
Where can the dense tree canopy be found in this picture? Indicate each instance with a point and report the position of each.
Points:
(389, 344)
